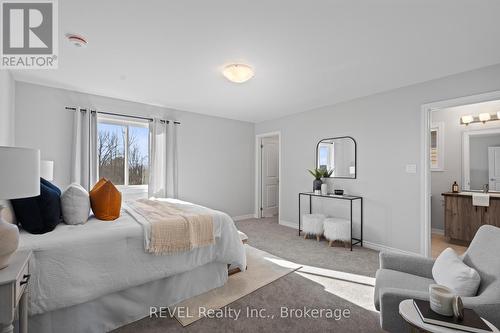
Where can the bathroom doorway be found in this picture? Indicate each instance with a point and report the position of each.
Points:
(462, 149)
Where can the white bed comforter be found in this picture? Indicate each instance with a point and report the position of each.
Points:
(77, 263)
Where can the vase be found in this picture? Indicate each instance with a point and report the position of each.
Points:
(9, 240)
(329, 184)
(317, 185)
(324, 189)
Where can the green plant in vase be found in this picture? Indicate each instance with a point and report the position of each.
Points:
(328, 173)
(317, 173)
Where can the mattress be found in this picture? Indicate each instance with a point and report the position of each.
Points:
(75, 264)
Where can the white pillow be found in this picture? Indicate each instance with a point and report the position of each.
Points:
(75, 204)
(450, 271)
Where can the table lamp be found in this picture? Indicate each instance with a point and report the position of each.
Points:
(47, 170)
(19, 178)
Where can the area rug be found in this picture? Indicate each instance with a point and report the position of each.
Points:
(262, 269)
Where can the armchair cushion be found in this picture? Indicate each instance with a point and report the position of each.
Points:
(451, 272)
(415, 265)
(405, 282)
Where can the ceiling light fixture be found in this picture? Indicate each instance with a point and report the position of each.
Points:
(238, 73)
(77, 40)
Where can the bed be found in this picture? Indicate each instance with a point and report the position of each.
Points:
(97, 276)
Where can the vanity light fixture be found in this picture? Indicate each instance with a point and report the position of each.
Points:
(481, 118)
(238, 73)
(484, 117)
(467, 119)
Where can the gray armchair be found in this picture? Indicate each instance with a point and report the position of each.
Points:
(403, 276)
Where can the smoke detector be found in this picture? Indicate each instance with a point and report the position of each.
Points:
(77, 40)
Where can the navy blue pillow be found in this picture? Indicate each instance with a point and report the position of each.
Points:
(28, 214)
(41, 214)
(50, 185)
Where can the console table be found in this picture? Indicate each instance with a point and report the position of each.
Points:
(350, 198)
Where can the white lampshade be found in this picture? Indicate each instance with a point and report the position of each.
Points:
(19, 172)
(47, 170)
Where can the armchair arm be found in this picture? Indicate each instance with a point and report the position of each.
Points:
(390, 319)
(488, 309)
(414, 265)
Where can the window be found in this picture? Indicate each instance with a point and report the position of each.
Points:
(436, 146)
(123, 152)
(326, 157)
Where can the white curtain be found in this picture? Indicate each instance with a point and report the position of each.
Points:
(163, 160)
(84, 148)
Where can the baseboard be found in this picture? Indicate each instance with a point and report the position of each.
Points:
(368, 245)
(243, 217)
(289, 224)
(437, 231)
(384, 248)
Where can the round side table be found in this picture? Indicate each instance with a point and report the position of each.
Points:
(410, 315)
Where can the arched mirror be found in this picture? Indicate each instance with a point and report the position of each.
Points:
(337, 154)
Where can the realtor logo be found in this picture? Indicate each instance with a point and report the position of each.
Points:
(29, 34)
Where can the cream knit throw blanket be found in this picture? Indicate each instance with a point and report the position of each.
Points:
(173, 230)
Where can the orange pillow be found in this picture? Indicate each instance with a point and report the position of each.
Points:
(105, 200)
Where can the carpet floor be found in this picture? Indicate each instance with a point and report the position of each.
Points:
(333, 280)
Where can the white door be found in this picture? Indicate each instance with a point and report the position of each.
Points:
(270, 176)
(494, 168)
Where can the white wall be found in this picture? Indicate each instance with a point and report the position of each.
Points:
(387, 129)
(216, 155)
(441, 181)
(6, 108)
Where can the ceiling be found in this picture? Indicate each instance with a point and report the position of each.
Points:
(306, 54)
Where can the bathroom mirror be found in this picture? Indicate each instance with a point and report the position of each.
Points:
(337, 154)
(481, 160)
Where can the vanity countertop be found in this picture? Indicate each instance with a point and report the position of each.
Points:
(469, 194)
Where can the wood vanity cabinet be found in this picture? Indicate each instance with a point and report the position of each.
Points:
(462, 219)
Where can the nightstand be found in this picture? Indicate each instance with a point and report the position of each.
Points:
(13, 292)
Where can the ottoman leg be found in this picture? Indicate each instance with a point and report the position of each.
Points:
(318, 238)
(330, 243)
(305, 236)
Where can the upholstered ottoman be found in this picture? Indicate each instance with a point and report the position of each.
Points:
(313, 225)
(337, 229)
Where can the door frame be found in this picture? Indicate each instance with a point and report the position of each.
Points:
(425, 166)
(258, 175)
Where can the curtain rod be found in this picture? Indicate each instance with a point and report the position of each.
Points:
(122, 115)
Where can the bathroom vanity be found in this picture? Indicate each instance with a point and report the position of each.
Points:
(462, 218)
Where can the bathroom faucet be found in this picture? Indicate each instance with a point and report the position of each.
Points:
(486, 188)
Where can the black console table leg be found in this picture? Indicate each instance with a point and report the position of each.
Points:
(299, 214)
(361, 222)
(351, 225)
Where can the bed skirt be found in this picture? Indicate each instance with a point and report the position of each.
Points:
(115, 310)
